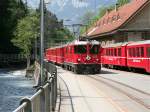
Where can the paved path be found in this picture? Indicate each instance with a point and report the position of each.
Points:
(82, 96)
(80, 93)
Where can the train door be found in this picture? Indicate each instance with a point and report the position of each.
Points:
(148, 58)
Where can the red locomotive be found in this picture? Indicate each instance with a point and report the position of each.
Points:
(78, 56)
(130, 55)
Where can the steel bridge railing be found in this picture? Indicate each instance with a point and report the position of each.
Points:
(44, 100)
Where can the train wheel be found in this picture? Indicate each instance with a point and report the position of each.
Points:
(64, 67)
(77, 71)
(67, 67)
(73, 69)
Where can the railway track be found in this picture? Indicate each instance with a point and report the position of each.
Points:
(133, 93)
(84, 97)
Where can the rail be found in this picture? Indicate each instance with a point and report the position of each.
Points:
(44, 100)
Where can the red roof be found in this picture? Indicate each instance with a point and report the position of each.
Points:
(113, 20)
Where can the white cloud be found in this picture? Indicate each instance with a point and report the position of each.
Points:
(79, 3)
(75, 3)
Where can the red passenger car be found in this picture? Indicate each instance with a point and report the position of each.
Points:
(50, 55)
(60, 55)
(114, 55)
(138, 55)
(135, 55)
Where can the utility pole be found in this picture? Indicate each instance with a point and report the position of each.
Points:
(42, 41)
(95, 6)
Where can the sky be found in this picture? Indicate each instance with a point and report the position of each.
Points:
(72, 9)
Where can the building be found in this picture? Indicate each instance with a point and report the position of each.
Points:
(130, 22)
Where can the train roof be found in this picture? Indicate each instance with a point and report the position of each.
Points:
(77, 42)
(140, 43)
(115, 45)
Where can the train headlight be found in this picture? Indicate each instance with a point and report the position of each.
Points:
(97, 60)
(78, 59)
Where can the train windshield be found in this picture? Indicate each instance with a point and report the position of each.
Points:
(94, 49)
(80, 49)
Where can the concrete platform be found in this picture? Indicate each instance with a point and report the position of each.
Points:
(78, 95)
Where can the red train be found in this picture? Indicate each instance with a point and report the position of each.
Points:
(127, 55)
(78, 56)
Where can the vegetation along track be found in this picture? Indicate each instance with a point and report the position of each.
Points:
(127, 90)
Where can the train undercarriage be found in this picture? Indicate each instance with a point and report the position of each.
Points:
(84, 68)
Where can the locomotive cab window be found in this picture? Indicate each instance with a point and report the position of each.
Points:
(94, 49)
(80, 49)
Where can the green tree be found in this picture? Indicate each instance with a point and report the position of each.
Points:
(122, 2)
(87, 18)
(55, 33)
(64, 35)
(26, 33)
(10, 12)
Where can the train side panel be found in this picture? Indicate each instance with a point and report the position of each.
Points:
(114, 56)
(138, 56)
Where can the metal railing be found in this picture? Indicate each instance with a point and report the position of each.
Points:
(44, 100)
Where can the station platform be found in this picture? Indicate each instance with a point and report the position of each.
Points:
(109, 91)
(78, 95)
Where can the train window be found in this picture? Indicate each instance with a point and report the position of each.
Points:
(80, 49)
(142, 51)
(148, 52)
(112, 53)
(70, 50)
(133, 52)
(107, 52)
(129, 52)
(94, 49)
(115, 52)
(137, 52)
(119, 51)
(66, 50)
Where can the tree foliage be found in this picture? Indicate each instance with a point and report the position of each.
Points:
(10, 12)
(26, 32)
(122, 2)
(55, 32)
